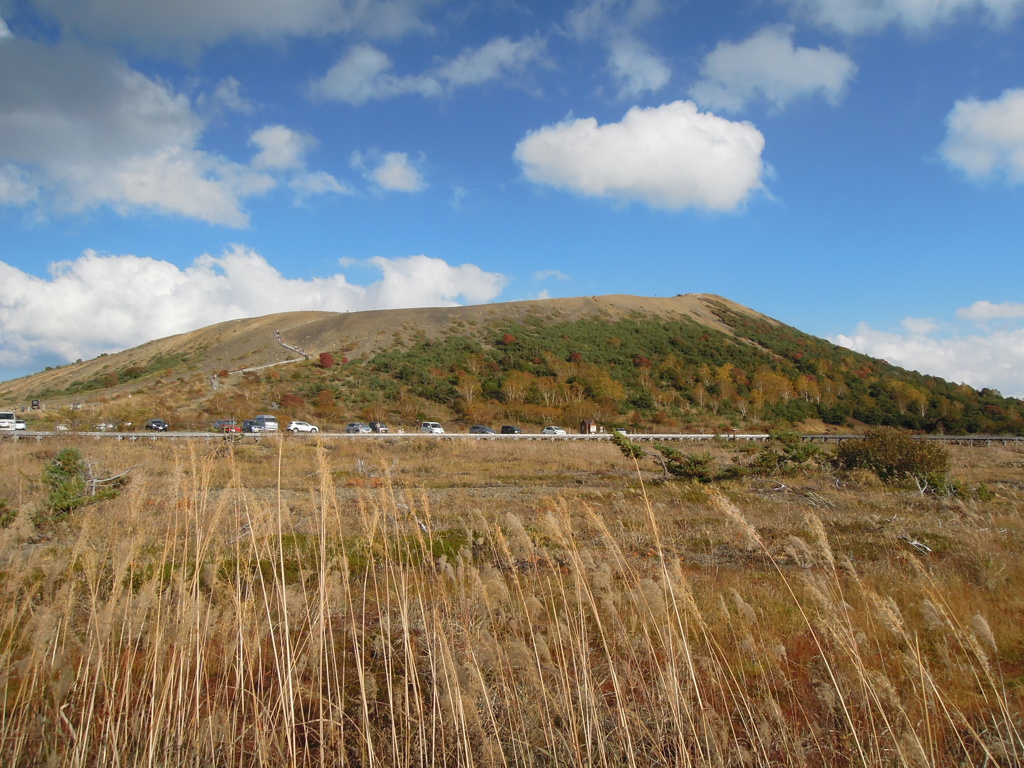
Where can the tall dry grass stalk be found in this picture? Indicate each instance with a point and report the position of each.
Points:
(207, 619)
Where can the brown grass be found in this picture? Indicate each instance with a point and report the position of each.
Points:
(302, 603)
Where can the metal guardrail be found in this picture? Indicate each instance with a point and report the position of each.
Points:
(639, 437)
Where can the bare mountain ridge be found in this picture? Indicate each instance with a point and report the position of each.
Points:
(253, 343)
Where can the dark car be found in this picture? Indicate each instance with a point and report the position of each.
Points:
(508, 429)
(251, 426)
(379, 427)
(158, 425)
(480, 429)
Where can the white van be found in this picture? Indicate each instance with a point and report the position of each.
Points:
(431, 428)
(266, 423)
(8, 421)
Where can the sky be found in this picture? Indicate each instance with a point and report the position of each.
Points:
(853, 168)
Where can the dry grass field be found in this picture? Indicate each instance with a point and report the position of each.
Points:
(294, 602)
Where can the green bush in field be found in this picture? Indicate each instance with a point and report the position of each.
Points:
(67, 478)
(71, 485)
(894, 455)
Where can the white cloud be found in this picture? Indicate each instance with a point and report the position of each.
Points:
(616, 23)
(986, 138)
(977, 356)
(318, 183)
(99, 303)
(672, 156)
(983, 311)
(79, 129)
(187, 26)
(858, 16)
(608, 18)
(15, 186)
(228, 94)
(919, 324)
(420, 281)
(5, 31)
(768, 65)
(636, 69)
(391, 172)
(550, 274)
(492, 61)
(363, 73)
(280, 148)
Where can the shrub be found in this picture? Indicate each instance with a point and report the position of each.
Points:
(893, 455)
(326, 360)
(67, 478)
(72, 486)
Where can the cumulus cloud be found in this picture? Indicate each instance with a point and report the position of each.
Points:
(768, 66)
(188, 26)
(978, 356)
(858, 16)
(280, 147)
(984, 311)
(79, 128)
(5, 31)
(672, 156)
(363, 73)
(986, 138)
(99, 303)
(391, 172)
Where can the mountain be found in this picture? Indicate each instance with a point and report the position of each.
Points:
(688, 362)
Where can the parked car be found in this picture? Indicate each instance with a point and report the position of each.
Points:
(158, 425)
(432, 428)
(20, 424)
(251, 426)
(227, 426)
(376, 426)
(267, 423)
(480, 429)
(552, 430)
(302, 426)
(508, 429)
(357, 428)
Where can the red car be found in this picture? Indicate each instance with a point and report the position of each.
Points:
(228, 427)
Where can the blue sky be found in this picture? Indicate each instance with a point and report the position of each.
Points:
(854, 168)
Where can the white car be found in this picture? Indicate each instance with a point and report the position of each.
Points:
(552, 431)
(302, 426)
(431, 428)
(20, 424)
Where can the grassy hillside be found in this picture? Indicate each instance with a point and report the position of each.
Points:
(685, 363)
